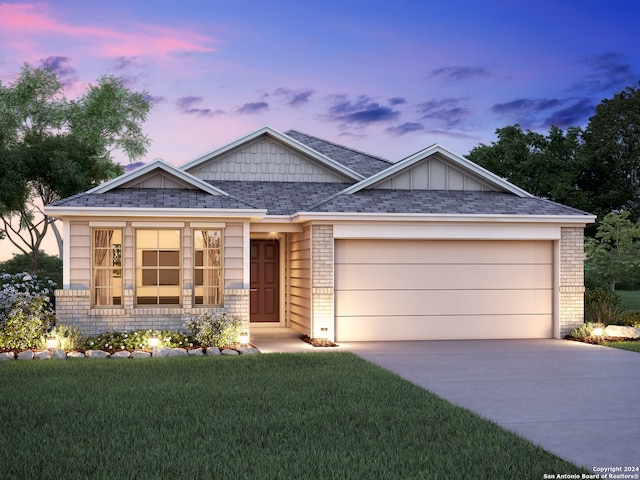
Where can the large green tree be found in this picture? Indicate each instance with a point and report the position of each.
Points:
(611, 155)
(613, 254)
(51, 147)
(595, 170)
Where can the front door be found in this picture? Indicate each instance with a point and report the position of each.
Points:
(265, 281)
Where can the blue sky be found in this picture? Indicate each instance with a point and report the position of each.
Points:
(387, 78)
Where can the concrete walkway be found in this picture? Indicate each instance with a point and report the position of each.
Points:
(580, 402)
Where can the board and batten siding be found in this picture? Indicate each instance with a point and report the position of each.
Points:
(264, 159)
(300, 281)
(437, 289)
(435, 173)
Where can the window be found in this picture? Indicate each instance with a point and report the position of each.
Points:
(107, 267)
(207, 274)
(158, 279)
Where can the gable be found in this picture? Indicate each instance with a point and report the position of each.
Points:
(265, 159)
(435, 173)
(157, 179)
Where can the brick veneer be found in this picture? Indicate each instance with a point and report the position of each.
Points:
(571, 288)
(73, 307)
(322, 288)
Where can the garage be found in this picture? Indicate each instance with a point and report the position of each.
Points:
(443, 289)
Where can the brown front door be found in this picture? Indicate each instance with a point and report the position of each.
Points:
(265, 280)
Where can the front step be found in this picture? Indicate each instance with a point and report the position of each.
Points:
(274, 332)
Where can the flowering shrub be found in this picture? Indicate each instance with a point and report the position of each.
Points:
(136, 340)
(26, 313)
(217, 330)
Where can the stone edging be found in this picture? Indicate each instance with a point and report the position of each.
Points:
(59, 354)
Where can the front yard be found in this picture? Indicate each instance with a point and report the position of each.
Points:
(320, 415)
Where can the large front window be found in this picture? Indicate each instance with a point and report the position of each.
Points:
(207, 288)
(158, 279)
(107, 267)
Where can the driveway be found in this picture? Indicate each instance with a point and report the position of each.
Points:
(578, 401)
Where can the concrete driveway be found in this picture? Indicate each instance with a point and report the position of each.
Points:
(580, 402)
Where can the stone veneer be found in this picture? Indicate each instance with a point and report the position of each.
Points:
(322, 287)
(73, 307)
(571, 288)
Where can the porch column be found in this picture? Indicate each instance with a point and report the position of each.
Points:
(322, 287)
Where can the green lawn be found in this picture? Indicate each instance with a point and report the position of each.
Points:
(633, 346)
(289, 416)
(630, 299)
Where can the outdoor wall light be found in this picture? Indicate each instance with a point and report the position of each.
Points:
(154, 341)
(52, 342)
(243, 338)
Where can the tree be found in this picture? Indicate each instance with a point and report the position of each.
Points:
(611, 154)
(595, 170)
(613, 255)
(52, 148)
(49, 266)
(546, 166)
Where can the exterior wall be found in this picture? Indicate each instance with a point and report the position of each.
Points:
(264, 160)
(571, 288)
(322, 278)
(299, 289)
(434, 174)
(73, 304)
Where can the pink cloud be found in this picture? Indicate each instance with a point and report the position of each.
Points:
(36, 20)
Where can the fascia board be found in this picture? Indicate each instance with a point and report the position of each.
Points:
(453, 157)
(439, 217)
(253, 214)
(284, 139)
(157, 164)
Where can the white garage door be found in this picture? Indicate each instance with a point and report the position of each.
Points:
(438, 290)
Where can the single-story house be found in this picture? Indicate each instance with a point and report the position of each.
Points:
(289, 230)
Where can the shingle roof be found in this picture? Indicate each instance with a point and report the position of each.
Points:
(152, 198)
(280, 198)
(442, 202)
(360, 162)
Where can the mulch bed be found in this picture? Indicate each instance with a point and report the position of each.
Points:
(318, 342)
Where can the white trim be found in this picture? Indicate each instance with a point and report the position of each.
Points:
(454, 158)
(157, 164)
(267, 227)
(97, 224)
(556, 290)
(158, 224)
(253, 213)
(437, 217)
(266, 130)
(448, 232)
(207, 225)
(246, 255)
(66, 255)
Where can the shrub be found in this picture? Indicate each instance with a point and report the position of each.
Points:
(217, 330)
(68, 338)
(602, 306)
(136, 340)
(630, 319)
(585, 330)
(26, 313)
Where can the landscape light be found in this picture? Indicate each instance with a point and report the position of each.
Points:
(52, 342)
(154, 341)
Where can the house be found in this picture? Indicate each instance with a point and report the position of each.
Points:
(288, 230)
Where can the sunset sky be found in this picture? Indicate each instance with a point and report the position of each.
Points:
(385, 77)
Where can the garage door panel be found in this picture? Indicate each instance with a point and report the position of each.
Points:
(428, 277)
(442, 327)
(443, 251)
(442, 302)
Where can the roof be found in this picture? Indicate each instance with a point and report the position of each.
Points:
(356, 195)
(442, 202)
(363, 163)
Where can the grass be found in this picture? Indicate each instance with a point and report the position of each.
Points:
(634, 346)
(289, 416)
(630, 299)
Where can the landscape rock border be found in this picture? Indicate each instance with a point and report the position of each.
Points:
(60, 354)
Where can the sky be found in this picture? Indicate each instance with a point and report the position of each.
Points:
(385, 77)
